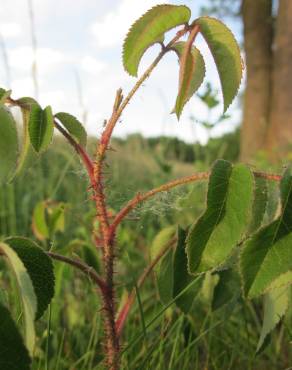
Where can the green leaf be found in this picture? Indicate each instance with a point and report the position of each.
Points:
(26, 291)
(150, 29)
(209, 283)
(73, 126)
(8, 144)
(27, 102)
(226, 54)
(90, 257)
(27, 155)
(229, 200)
(40, 269)
(181, 277)
(164, 268)
(164, 277)
(259, 204)
(276, 303)
(56, 218)
(191, 75)
(41, 127)
(161, 240)
(14, 355)
(228, 288)
(4, 94)
(39, 222)
(48, 218)
(268, 254)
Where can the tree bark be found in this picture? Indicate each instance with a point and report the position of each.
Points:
(258, 36)
(279, 132)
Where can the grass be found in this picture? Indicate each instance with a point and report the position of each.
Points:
(155, 337)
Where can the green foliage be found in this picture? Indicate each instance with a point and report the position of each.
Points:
(150, 29)
(181, 277)
(41, 127)
(164, 268)
(4, 94)
(48, 218)
(171, 272)
(8, 144)
(191, 76)
(26, 146)
(226, 54)
(161, 240)
(73, 126)
(259, 204)
(267, 254)
(39, 222)
(14, 355)
(26, 291)
(214, 235)
(164, 277)
(40, 270)
(228, 288)
(275, 306)
(27, 154)
(237, 205)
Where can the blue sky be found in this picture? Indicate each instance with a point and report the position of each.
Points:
(79, 43)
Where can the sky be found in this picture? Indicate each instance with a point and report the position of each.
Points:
(79, 66)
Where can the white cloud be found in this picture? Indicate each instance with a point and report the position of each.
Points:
(22, 86)
(10, 30)
(21, 58)
(92, 65)
(111, 30)
(57, 98)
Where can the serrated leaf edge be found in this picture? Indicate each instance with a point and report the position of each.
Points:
(242, 62)
(155, 42)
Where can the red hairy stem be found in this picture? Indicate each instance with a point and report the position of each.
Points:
(268, 176)
(124, 312)
(83, 267)
(80, 151)
(139, 198)
(106, 230)
(119, 106)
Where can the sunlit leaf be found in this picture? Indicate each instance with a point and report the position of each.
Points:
(191, 75)
(39, 221)
(73, 126)
(8, 144)
(150, 29)
(48, 218)
(226, 54)
(229, 200)
(13, 354)
(41, 127)
(268, 254)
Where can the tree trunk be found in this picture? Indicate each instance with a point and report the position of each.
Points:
(279, 132)
(258, 36)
